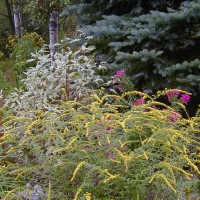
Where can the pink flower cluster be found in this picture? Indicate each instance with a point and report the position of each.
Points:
(109, 128)
(172, 94)
(120, 73)
(174, 117)
(138, 102)
(185, 98)
(119, 87)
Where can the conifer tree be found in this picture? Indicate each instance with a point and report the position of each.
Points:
(157, 43)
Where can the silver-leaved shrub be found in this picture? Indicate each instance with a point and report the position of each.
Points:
(68, 76)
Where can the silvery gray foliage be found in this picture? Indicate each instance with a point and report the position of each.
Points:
(35, 193)
(68, 76)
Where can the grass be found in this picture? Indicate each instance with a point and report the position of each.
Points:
(8, 76)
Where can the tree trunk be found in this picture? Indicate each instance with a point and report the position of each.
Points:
(8, 7)
(17, 20)
(53, 32)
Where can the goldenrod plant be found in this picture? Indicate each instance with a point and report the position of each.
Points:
(103, 147)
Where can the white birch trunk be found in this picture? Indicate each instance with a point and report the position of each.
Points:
(53, 32)
(17, 20)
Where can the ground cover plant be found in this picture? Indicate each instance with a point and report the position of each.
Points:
(72, 132)
(8, 77)
(121, 146)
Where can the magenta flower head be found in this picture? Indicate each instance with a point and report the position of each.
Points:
(119, 87)
(172, 94)
(185, 98)
(174, 117)
(138, 102)
(120, 73)
(109, 128)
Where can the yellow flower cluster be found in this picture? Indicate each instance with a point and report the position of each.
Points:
(13, 40)
(88, 196)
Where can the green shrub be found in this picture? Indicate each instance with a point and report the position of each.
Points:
(102, 148)
(69, 76)
(8, 77)
(22, 48)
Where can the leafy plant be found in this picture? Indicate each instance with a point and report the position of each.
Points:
(21, 49)
(91, 150)
(68, 76)
(8, 77)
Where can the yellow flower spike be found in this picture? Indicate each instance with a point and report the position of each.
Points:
(153, 177)
(68, 146)
(145, 155)
(168, 166)
(10, 150)
(187, 175)
(77, 193)
(77, 168)
(64, 114)
(36, 122)
(97, 98)
(87, 128)
(83, 150)
(122, 125)
(139, 156)
(192, 164)
(147, 140)
(121, 144)
(10, 119)
(60, 138)
(66, 129)
(116, 161)
(136, 92)
(121, 155)
(19, 175)
(23, 142)
(125, 158)
(8, 194)
(172, 139)
(177, 134)
(183, 107)
(126, 165)
(185, 150)
(87, 196)
(167, 181)
(17, 170)
(110, 176)
(2, 143)
(178, 90)
(108, 139)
